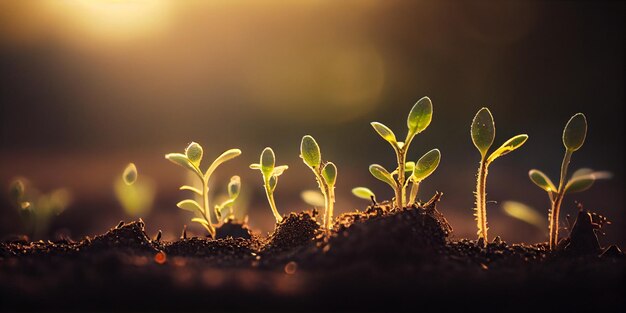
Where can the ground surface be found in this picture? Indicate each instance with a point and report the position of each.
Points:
(377, 260)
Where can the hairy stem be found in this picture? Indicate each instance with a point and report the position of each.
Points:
(481, 196)
(270, 199)
(400, 187)
(556, 204)
(330, 207)
(323, 188)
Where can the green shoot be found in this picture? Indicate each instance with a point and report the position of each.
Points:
(234, 188)
(573, 138)
(483, 132)
(325, 174)
(418, 120)
(134, 195)
(270, 172)
(36, 208)
(364, 193)
(191, 160)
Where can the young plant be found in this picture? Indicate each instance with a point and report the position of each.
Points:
(191, 160)
(134, 195)
(418, 120)
(364, 193)
(325, 174)
(483, 132)
(270, 172)
(234, 188)
(573, 138)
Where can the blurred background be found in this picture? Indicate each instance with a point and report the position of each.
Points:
(88, 86)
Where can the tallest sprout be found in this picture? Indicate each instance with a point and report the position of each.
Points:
(483, 132)
(419, 118)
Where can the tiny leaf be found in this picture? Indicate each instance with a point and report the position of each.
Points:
(200, 220)
(273, 181)
(279, 170)
(385, 132)
(194, 153)
(540, 179)
(426, 165)
(583, 182)
(310, 152)
(234, 187)
(483, 130)
(196, 190)
(508, 146)
(182, 160)
(329, 172)
(363, 193)
(420, 116)
(313, 198)
(575, 132)
(382, 174)
(268, 160)
(190, 205)
(130, 174)
(226, 156)
(255, 166)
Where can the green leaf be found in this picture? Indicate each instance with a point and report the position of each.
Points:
(226, 156)
(420, 116)
(508, 146)
(426, 165)
(189, 188)
(190, 205)
(268, 160)
(182, 160)
(130, 174)
(329, 172)
(200, 220)
(575, 132)
(582, 171)
(273, 181)
(279, 170)
(234, 187)
(310, 152)
(313, 198)
(382, 174)
(194, 153)
(363, 193)
(483, 130)
(585, 181)
(385, 132)
(255, 166)
(540, 179)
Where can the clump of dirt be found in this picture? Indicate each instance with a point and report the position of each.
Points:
(234, 229)
(227, 252)
(131, 236)
(294, 231)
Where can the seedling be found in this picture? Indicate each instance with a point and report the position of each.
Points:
(37, 209)
(325, 174)
(234, 188)
(134, 195)
(418, 120)
(270, 172)
(364, 193)
(483, 132)
(573, 138)
(191, 160)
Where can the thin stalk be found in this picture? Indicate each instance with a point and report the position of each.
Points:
(330, 207)
(481, 196)
(415, 186)
(207, 214)
(270, 199)
(323, 189)
(556, 204)
(401, 188)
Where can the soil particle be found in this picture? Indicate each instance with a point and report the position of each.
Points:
(583, 239)
(294, 231)
(234, 229)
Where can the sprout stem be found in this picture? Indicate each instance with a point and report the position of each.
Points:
(206, 214)
(270, 199)
(556, 204)
(324, 189)
(415, 186)
(481, 210)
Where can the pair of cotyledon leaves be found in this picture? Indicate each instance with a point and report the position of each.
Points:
(574, 135)
(267, 166)
(312, 157)
(483, 132)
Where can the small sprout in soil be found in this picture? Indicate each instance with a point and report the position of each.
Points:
(35, 208)
(418, 120)
(325, 174)
(270, 172)
(191, 160)
(313, 198)
(130, 174)
(364, 193)
(134, 195)
(483, 132)
(234, 188)
(573, 138)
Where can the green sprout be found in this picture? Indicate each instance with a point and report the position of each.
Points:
(270, 172)
(573, 138)
(364, 193)
(191, 160)
(36, 208)
(234, 188)
(483, 132)
(325, 174)
(418, 120)
(134, 195)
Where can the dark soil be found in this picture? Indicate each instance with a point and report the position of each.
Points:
(381, 259)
